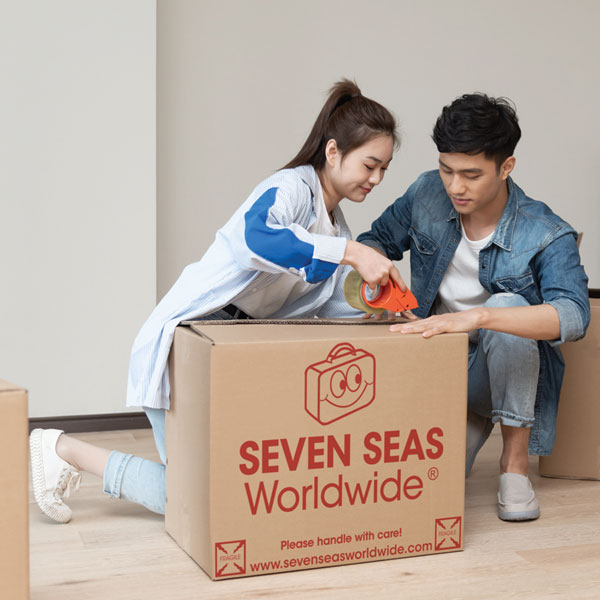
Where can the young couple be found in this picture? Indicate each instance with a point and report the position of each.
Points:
(485, 259)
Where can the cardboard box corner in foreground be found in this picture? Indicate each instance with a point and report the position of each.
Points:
(14, 492)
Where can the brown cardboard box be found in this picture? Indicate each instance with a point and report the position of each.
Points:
(14, 498)
(576, 452)
(300, 446)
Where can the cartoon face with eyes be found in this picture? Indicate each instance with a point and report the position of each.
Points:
(346, 386)
(340, 385)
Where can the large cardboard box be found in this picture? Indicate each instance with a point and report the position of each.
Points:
(301, 446)
(576, 452)
(14, 493)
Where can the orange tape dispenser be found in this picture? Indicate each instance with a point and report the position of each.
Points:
(386, 297)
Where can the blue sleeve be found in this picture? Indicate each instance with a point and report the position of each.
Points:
(273, 234)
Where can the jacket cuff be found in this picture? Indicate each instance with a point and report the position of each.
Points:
(329, 249)
(571, 322)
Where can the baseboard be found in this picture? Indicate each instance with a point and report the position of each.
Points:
(84, 423)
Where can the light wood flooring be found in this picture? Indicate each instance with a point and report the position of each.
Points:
(116, 550)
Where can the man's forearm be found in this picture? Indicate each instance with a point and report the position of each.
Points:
(539, 322)
(535, 322)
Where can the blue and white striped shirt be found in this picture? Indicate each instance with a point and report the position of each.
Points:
(267, 238)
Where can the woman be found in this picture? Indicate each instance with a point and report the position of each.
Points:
(283, 254)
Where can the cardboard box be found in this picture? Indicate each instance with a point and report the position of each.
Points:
(576, 452)
(301, 446)
(14, 493)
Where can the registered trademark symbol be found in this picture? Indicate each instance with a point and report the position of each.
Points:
(433, 473)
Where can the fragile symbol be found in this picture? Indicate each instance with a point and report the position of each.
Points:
(230, 558)
(448, 533)
(433, 473)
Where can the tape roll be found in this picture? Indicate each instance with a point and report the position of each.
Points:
(353, 294)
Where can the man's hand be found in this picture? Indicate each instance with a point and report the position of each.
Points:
(375, 268)
(463, 321)
(539, 322)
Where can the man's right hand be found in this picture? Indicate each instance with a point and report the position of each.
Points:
(372, 265)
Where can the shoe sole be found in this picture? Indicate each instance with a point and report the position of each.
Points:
(39, 482)
(528, 515)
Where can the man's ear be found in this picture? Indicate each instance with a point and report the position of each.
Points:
(331, 152)
(507, 166)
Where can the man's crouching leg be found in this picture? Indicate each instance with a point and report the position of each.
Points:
(513, 365)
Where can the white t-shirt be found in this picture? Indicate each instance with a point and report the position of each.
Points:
(460, 288)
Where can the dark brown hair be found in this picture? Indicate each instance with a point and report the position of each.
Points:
(350, 119)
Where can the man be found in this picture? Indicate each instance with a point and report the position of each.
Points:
(488, 260)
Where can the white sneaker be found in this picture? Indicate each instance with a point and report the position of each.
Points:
(53, 478)
(516, 498)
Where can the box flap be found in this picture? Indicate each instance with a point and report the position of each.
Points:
(357, 321)
(244, 330)
(262, 331)
(6, 386)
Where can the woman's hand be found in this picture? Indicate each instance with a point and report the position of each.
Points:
(405, 314)
(375, 268)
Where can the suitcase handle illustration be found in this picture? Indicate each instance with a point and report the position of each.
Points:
(341, 384)
(338, 351)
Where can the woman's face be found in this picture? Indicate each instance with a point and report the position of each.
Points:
(354, 174)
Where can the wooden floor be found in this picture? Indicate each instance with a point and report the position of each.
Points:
(113, 549)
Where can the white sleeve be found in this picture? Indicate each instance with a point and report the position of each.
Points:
(276, 239)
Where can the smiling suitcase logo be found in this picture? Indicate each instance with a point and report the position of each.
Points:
(339, 385)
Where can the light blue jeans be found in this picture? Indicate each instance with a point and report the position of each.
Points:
(138, 479)
(503, 377)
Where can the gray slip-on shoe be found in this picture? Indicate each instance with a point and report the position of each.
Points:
(516, 498)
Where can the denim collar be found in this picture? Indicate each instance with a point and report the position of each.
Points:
(503, 235)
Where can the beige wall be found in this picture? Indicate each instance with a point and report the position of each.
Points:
(240, 84)
(77, 198)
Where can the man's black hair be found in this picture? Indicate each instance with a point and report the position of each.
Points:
(476, 123)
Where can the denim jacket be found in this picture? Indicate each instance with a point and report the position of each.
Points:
(533, 253)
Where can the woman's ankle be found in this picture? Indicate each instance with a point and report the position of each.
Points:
(64, 449)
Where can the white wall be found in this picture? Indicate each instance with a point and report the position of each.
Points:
(240, 84)
(77, 197)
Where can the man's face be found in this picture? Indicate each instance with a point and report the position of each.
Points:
(474, 183)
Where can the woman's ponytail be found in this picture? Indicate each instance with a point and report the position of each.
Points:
(350, 119)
